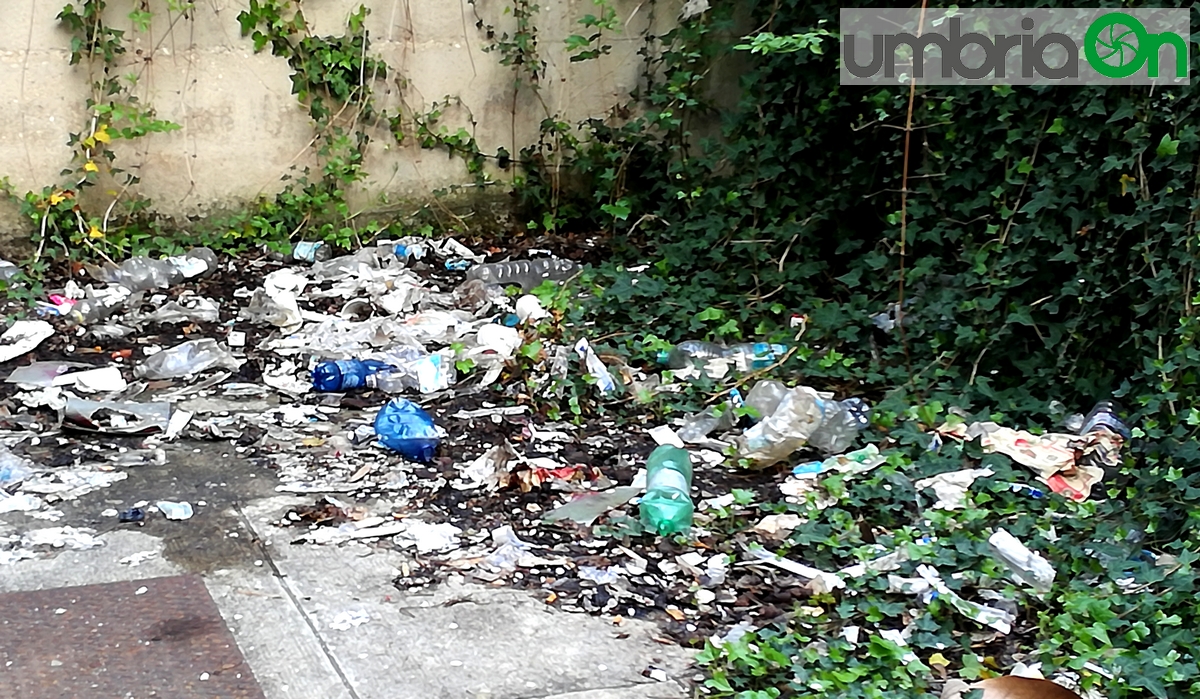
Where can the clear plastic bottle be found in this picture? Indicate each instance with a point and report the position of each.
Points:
(842, 422)
(745, 356)
(8, 270)
(310, 252)
(526, 274)
(667, 507)
(404, 427)
(345, 374)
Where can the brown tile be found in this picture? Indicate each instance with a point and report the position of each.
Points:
(110, 642)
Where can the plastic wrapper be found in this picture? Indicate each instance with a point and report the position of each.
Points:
(188, 358)
(194, 310)
(1026, 566)
(111, 417)
(13, 468)
(787, 429)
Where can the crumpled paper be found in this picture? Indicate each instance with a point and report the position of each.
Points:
(951, 488)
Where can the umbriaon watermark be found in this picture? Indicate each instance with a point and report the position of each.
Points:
(1015, 46)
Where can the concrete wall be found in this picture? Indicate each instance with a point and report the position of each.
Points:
(242, 127)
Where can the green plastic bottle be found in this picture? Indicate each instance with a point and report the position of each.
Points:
(667, 506)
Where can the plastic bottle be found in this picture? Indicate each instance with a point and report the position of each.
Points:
(842, 422)
(345, 374)
(1103, 418)
(526, 274)
(8, 270)
(404, 427)
(690, 353)
(410, 369)
(745, 356)
(310, 252)
(667, 506)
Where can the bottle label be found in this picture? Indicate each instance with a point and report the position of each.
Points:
(306, 252)
(668, 479)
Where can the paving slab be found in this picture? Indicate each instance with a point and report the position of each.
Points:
(459, 639)
(154, 637)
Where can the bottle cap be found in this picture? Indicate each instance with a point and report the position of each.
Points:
(663, 356)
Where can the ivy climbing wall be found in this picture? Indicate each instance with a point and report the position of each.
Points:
(445, 69)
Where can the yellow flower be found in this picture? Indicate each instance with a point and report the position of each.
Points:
(57, 198)
(90, 166)
(102, 135)
(95, 232)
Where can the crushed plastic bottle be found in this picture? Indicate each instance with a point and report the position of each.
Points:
(1104, 418)
(698, 426)
(744, 357)
(667, 507)
(785, 430)
(310, 252)
(188, 358)
(526, 274)
(404, 427)
(840, 424)
(13, 468)
(345, 374)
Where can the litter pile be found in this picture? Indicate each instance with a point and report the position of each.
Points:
(380, 386)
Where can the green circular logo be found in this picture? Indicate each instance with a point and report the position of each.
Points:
(1113, 45)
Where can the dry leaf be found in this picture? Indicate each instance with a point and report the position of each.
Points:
(676, 614)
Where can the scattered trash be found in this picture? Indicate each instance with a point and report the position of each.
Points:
(930, 584)
(1069, 464)
(428, 538)
(742, 357)
(22, 337)
(1027, 566)
(595, 367)
(133, 514)
(404, 427)
(109, 417)
(191, 357)
(821, 581)
(667, 507)
(586, 508)
(134, 560)
(697, 427)
(951, 488)
(175, 510)
(778, 526)
(345, 374)
(785, 430)
(529, 308)
(13, 468)
(526, 274)
(344, 621)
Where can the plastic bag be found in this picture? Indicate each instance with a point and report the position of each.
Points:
(188, 358)
(404, 427)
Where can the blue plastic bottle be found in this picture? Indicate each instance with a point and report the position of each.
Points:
(345, 374)
(404, 427)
